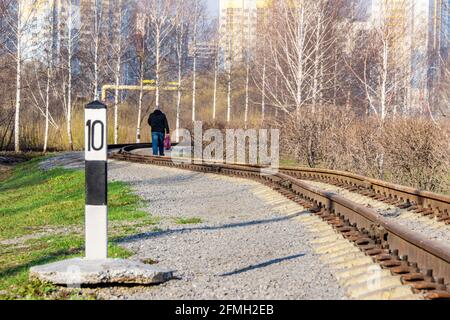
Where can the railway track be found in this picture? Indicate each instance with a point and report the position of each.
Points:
(421, 263)
(427, 204)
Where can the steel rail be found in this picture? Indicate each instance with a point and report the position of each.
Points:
(413, 247)
(438, 203)
(426, 202)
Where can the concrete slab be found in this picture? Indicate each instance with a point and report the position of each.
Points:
(79, 271)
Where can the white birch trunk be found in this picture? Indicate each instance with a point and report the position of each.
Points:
(162, 19)
(179, 94)
(117, 74)
(116, 101)
(317, 53)
(49, 76)
(96, 49)
(385, 66)
(263, 91)
(194, 67)
(69, 105)
(300, 48)
(18, 79)
(47, 104)
(158, 64)
(215, 89)
(178, 115)
(230, 68)
(229, 95)
(247, 79)
(180, 42)
(321, 81)
(69, 83)
(194, 87)
(141, 96)
(276, 93)
(58, 33)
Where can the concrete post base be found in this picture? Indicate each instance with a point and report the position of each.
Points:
(79, 272)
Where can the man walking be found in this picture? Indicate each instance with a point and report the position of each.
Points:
(160, 128)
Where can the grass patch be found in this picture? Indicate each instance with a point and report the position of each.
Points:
(52, 203)
(183, 221)
(289, 162)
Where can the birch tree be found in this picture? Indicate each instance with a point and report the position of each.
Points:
(194, 54)
(19, 34)
(117, 47)
(7, 66)
(301, 37)
(443, 88)
(229, 70)
(43, 95)
(260, 74)
(247, 66)
(326, 38)
(181, 30)
(17, 17)
(94, 43)
(72, 36)
(381, 62)
(162, 23)
(216, 74)
(49, 53)
(288, 52)
(263, 87)
(142, 53)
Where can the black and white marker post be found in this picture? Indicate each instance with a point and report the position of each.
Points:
(96, 268)
(96, 160)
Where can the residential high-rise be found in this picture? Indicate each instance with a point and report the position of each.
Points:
(239, 21)
(97, 16)
(44, 27)
(36, 20)
(444, 24)
(418, 33)
(205, 53)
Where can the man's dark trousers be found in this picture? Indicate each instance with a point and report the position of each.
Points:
(158, 143)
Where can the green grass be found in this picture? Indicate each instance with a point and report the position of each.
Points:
(42, 213)
(183, 221)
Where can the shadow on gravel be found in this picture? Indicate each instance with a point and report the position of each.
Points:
(262, 265)
(150, 235)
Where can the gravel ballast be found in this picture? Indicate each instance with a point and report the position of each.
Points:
(429, 228)
(242, 249)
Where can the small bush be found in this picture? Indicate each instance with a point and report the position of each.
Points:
(405, 150)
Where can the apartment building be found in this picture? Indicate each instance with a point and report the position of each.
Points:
(43, 23)
(418, 35)
(239, 23)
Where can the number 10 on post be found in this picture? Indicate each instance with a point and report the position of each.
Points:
(96, 153)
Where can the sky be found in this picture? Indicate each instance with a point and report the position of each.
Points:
(213, 7)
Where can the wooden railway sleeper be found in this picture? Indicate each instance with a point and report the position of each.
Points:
(372, 241)
(428, 213)
(390, 260)
(438, 295)
(404, 206)
(420, 209)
